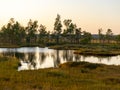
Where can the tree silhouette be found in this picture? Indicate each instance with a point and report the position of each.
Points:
(13, 32)
(77, 35)
(42, 33)
(31, 31)
(118, 38)
(86, 38)
(57, 28)
(101, 36)
(109, 35)
(70, 28)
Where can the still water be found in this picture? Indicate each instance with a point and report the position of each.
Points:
(32, 58)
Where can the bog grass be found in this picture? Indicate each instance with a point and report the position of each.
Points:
(91, 49)
(69, 76)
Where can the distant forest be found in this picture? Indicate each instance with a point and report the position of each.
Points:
(13, 33)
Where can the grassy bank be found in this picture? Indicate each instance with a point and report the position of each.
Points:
(98, 52)
(69, 76)
(91, 49)
(23, 45)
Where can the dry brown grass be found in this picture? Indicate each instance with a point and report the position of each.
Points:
(70, 76)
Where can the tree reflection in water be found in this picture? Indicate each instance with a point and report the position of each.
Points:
(77, 57)
(35, 58)
(57, 59)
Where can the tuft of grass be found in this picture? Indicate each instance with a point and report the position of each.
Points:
(92, 66)
(80, 64)
(112, 80)
(85, 70)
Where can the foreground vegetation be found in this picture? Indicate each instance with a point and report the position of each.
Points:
(69, 76)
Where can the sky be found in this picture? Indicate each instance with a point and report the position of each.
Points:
(90, 15)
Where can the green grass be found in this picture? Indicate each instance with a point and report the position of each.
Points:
(69, 76)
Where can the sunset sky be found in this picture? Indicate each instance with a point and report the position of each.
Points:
(90, 15)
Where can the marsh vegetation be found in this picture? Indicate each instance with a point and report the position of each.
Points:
(69, 76)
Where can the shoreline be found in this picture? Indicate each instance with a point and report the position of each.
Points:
(92, 49)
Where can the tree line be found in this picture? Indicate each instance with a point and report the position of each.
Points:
(13, 33)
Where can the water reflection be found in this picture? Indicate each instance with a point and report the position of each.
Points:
(36, 58)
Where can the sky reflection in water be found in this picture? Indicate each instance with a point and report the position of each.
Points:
(38, 58)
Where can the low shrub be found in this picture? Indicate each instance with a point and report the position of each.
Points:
(92, 66)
